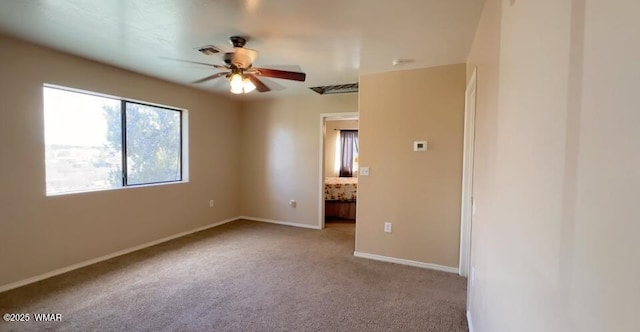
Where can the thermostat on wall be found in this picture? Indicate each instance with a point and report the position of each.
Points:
(420, 146)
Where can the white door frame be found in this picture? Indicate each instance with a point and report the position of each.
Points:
(323, 118)
(467, 209)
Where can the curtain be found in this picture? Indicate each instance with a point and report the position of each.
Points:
(348, 143)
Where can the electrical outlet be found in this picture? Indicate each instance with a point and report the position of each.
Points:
(363, 171)
(420, 146)
(211, 202)
(387, 227)
(293, 203)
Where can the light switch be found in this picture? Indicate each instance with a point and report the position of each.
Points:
(363, 171)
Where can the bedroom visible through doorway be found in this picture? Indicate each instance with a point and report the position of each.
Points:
(340, 154)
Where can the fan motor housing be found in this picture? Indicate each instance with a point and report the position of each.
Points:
(237, 59)
(238, 41)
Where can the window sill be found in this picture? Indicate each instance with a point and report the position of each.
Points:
(118, 188)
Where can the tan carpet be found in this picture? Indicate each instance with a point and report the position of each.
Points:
(246, 276)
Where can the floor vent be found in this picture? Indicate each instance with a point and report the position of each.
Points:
(341, 88)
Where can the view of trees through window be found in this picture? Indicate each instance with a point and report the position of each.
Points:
(85, 142)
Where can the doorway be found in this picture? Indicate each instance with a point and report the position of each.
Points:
(339, 154)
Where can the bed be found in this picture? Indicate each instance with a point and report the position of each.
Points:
(340, 196)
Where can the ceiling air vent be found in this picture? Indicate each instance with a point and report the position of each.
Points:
(208, 50)
(341, 88)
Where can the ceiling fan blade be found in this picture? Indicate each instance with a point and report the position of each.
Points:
(214, 76)
(260, 86)
(283, 74)
(197, 63)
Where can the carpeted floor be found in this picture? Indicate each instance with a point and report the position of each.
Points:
(245, 276)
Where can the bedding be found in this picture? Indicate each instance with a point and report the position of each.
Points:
(340, 189)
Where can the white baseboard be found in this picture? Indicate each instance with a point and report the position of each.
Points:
(56, 272)
(286, 223)
(469, 322)
(406, 262)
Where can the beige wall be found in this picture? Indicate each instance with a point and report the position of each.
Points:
(606, 219)
(39, 234)
(485, 58)
(418, 192)
(281, 155)
(332, 135)
(556, 232)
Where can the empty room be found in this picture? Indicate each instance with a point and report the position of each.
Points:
(367, 165)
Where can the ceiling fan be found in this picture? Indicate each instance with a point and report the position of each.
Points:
(239, 70)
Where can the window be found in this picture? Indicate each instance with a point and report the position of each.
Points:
(349, 153)
(97, 143)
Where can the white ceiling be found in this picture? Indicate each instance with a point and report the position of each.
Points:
(333, 41)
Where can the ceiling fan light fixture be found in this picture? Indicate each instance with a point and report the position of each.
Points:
(236, 83)
(247, 85)
(240, 84)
